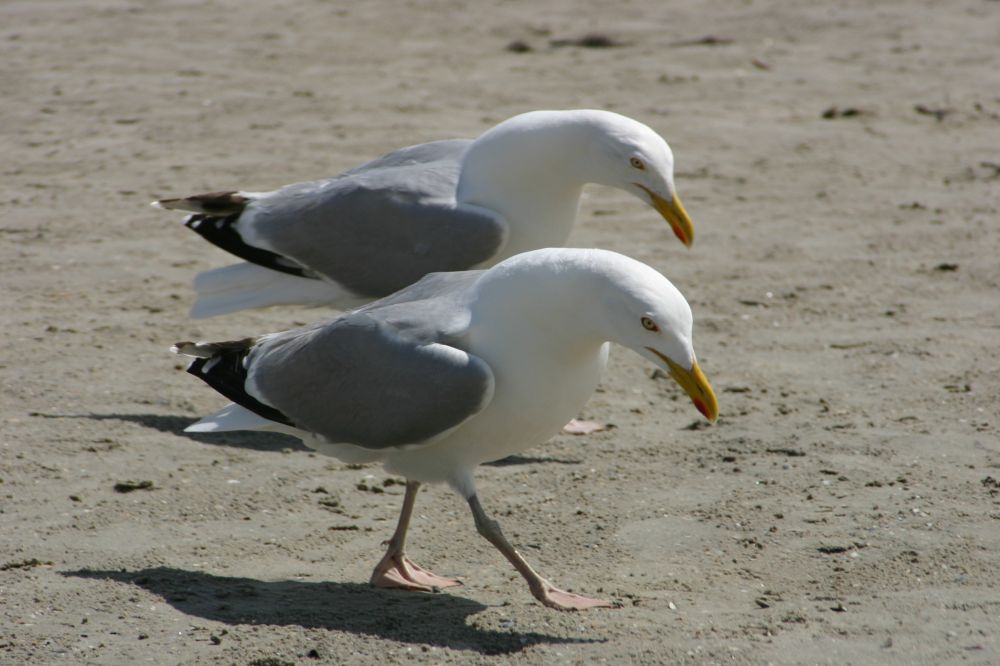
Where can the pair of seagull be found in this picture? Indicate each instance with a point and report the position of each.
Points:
(487, 337)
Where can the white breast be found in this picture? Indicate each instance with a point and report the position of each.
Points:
(535, 395)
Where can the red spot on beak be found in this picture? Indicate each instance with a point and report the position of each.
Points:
(701, 407)
(680, 234)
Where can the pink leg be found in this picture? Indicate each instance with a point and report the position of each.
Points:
(542, 589)
(396, 570)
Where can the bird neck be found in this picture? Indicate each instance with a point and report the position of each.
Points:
(549, 301)
(532, 174)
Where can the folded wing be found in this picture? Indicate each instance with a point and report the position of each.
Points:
(387, 375)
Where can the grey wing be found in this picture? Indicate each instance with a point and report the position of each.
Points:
(383, 226)
(360, 380)
(449, 150)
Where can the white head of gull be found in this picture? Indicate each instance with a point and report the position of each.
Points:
(457, 370)
(442, 206)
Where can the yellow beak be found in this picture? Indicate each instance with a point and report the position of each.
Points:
(673, 212)
(695, 384)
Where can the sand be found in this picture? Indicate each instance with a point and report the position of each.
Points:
(842, 167)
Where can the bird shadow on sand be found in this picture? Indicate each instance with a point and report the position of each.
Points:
(439, 620)
(530, 460)
(243, 439)
(254, 440)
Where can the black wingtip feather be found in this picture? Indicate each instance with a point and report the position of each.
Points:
(213, 203)
(220, 231)
(226, 374)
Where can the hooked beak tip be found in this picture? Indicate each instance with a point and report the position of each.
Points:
(681, 237)
(674, 213)
(695, 384)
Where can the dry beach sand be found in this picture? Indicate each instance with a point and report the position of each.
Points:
(841, 162)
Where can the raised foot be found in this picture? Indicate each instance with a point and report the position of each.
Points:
(580, 427)
(399, 573)
(553, 597)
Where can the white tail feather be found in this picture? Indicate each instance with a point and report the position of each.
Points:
(246, 286)
(235, 417)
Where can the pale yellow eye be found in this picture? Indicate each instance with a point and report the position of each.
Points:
(637, 163)
(649, 324)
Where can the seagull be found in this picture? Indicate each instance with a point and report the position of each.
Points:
(456, 370)
(442, 206)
